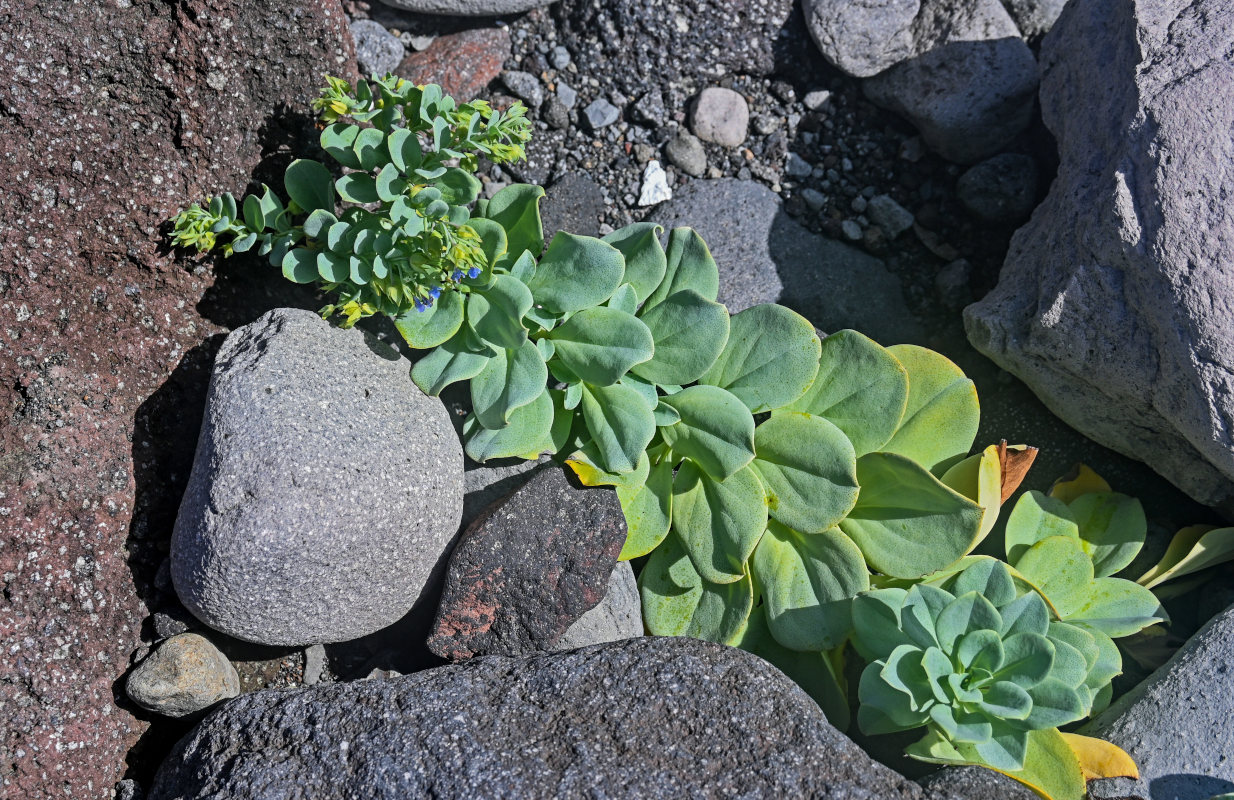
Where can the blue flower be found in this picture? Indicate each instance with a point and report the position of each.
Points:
(474, 272)
(457, 275)
(435, 292)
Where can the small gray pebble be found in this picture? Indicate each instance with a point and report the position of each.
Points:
(601, 113)
(813, 198)
(416, 43)
(687, 153)
(166, 625)
(186, 674)
(559, 57)
(720, 115)
(816, 99)
(128, 789)
(952, 284)
(650, 109)
(797, 167)
(525, 86)
(566, 94)
(889, 215)
(859, 204)
(314, 663)
(378, 52)
(555, 113)
(851, 230)
(766, 124)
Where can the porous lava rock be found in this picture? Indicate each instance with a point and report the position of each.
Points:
(114, 116)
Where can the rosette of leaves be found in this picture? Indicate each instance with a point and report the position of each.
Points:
(984, 668)
(393, 234)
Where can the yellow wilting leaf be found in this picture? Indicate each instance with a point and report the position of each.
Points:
(1079, 481)
(1100, 759)
(1192, 549)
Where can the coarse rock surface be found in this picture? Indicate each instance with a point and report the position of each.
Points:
(291, 489)
(721, 116)
(1178, 724)
(865, 38)
(647, 717)
(1000, 189)
(184, 675)
(377, 51)
(969, 98)
(116, 116)
(574, 203)
(618, 616)
(1113, 303)
(975, 783)
(527, 568)
(765, 256)
(1034, 18)
(467, 8)
(462, 63)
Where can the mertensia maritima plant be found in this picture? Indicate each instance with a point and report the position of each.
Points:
(785, 493)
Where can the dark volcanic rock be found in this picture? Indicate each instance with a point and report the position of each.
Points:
(462, 63)
(1114, 301)
(115, 115)
(642, 718)
(975, 783)
(573, 204)
(526, 569)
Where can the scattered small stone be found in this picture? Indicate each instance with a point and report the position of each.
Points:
(184, 675)
(601, 113)
(766, 124)
(555, 113)
(650, 109)
(167, 625)
(814, 199)
(643, 152)
(462, 63)
(784, 91)
(566, 94)
(417, 43)
(851, 230)
(655, 185)
(859, 204)
(889, 215)
(128, 789)
(687, 153)
(525, 86)
(1000, 189)
(913, 149)
(720, 116)
(816, 99)
(314, 663)
(797, 167)
(952, 284)
(559, 57)
(377, 51)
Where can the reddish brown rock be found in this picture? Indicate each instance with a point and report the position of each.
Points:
(114, 115)
(528, 567)
(462, 63)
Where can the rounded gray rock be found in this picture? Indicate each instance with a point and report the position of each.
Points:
(184, 675)
(642, 718)
(721, 116)
(686, 152)
(378, 52)
(324, 491)
(525, 86)
(468, 8)
(1000, 189)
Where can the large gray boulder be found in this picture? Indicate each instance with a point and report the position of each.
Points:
(468, 8)
(641, 718)
(325, 489)
(765, 256)
(1114, 301)
(1178, 724)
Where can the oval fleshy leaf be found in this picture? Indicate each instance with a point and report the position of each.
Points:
(645, 259)
(1060, 570)
(689, 332)
(718, 522)
(511, 379)
(1117, 608)
(516, 208)
(770, 359)
(1191, 550)
(688, 265)
(1037, 516)
(1112, 528)
(496, 314)
(809, 470)
(453, 361)
(434, 325)
(678, 602)
(524, 436)
(941, 414)
(648, 509)
(601, 344)
(309, 185)
(620, 425)
(576, 272)
(716, 430)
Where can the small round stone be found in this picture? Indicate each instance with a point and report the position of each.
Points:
(186, 674)
(686, 152)
(720, 116)
(378, 52)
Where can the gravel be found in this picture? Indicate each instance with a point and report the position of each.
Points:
(601, 113)
(655, 185)
(184, 675)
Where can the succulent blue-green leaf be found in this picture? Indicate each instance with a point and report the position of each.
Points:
(770, 359)
(718, 522)
(1060, 570)
(271, 209)
(357, 187)
(576, 272)
(1037, 516)
(361, 270)
(1117, 607)
(496, 314)
(665, 414)
(338, 140)
(648, 510)
(809, 470)
(903, 672)
(1026, 614)
(941, 414)
(244, 243)
(816, 673)
(876, 623)
(587, 465)
(808, 583)
(678, 602)
(1049, 766)
(511, 379)
(861, 388)
(716, 430)
(1054, 704)
(434, 325)
(624, 299)
(516, 208)
(545, 319)
(1112, 529)
(389, 185)
(563, 423)
(645, 260)
(524, 436)
(574, 392)
(645, 390)
(332, 267)
(253, 217)
(980, 649)
(1194, 548)
(988, 577)
(405, 151)
(339, 237)
(1004, 750)
(970, 729)
(547, 348)
(453, 361)
(600, 344)
(1108, 666)
(980, 478)
(620, 424)
(1006, 700)
(968, 612)
(688, 265)
(459, 187)
(1070, 666)
(690, 332)
(370, 148)
(300, 265)
(1027, 659)
(906, 522)
(922, 605)
(318, 222)
(1082, 641)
